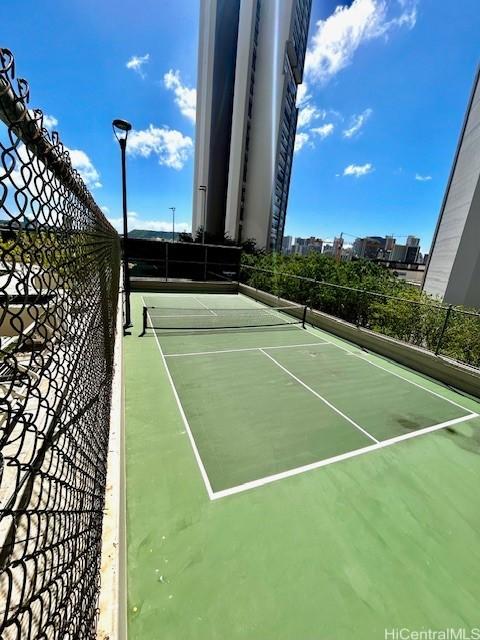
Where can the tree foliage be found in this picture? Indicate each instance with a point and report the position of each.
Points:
(367, 294)
(249, 246)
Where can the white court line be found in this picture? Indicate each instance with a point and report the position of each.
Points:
(374, 364)
(185, 421)
(273, 310)
(178, 315)
(329, 404)
(320, 333)
(254, 302)
(206, 353)
(182, 315)
(205, 306)
(343, 456)
(299, 470)
(393, 373)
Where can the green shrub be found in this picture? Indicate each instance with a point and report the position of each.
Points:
(370, 296)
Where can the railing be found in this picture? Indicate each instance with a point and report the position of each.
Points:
(183, 260)
(59, 273)
(444, 330)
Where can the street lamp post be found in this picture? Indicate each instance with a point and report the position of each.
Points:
(203, 188)
(121, 129)
(172, 209)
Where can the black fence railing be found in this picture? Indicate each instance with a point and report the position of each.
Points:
(444, 330)
(183, 260)
(59, 273)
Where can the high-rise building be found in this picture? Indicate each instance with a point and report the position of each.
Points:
(287, 244)
(314, 245)
(453, 268)
(408, 253)
(413, 241)
(389, 243)
(337, 247)
(368, 247)
(250, 61)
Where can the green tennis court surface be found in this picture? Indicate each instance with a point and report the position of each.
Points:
(283, 482)
(261, 402)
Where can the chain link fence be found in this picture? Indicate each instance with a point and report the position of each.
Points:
(445, 330)
(59, 274)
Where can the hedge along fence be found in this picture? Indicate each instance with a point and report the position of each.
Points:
(445, 330)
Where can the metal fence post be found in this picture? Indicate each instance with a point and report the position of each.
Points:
(304, 317)
(315, 284)
(166, 262)
(361, 302)
(357, 315)
(205, 269)
(444, 328)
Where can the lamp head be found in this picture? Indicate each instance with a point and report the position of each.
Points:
(121, 125)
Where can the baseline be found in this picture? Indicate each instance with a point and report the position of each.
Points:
(254, 484)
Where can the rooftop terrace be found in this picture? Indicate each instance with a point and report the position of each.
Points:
(238, 465)
(283, 483)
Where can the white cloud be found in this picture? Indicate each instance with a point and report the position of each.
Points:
(302, 96)
(308, 113)
(136, 63)
(337, 38)
(357, 123)
(136, 222)
(185, 97)
(170, 146)
(105, 209)
(358, 170)
(304, 138)
(82, 163)
(422, 178)
(49, 122)
(301, 139)
(324, 131)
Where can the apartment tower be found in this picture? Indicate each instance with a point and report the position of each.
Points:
(250, 63)
(453, 268)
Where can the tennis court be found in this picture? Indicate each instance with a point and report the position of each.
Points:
(264, 397)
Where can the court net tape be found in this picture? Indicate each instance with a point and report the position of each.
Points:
(167, 319)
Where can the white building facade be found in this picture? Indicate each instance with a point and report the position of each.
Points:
(251, 59)
(453, 268)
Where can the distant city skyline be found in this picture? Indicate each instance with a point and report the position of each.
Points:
(383, 248)
(386, 85)
(350, 238)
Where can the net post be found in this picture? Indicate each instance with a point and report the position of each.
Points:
(304, 317)
(144, 321)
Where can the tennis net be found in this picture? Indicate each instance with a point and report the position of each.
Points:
(162, 318)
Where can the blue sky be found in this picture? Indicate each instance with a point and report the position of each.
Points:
(387, 83)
